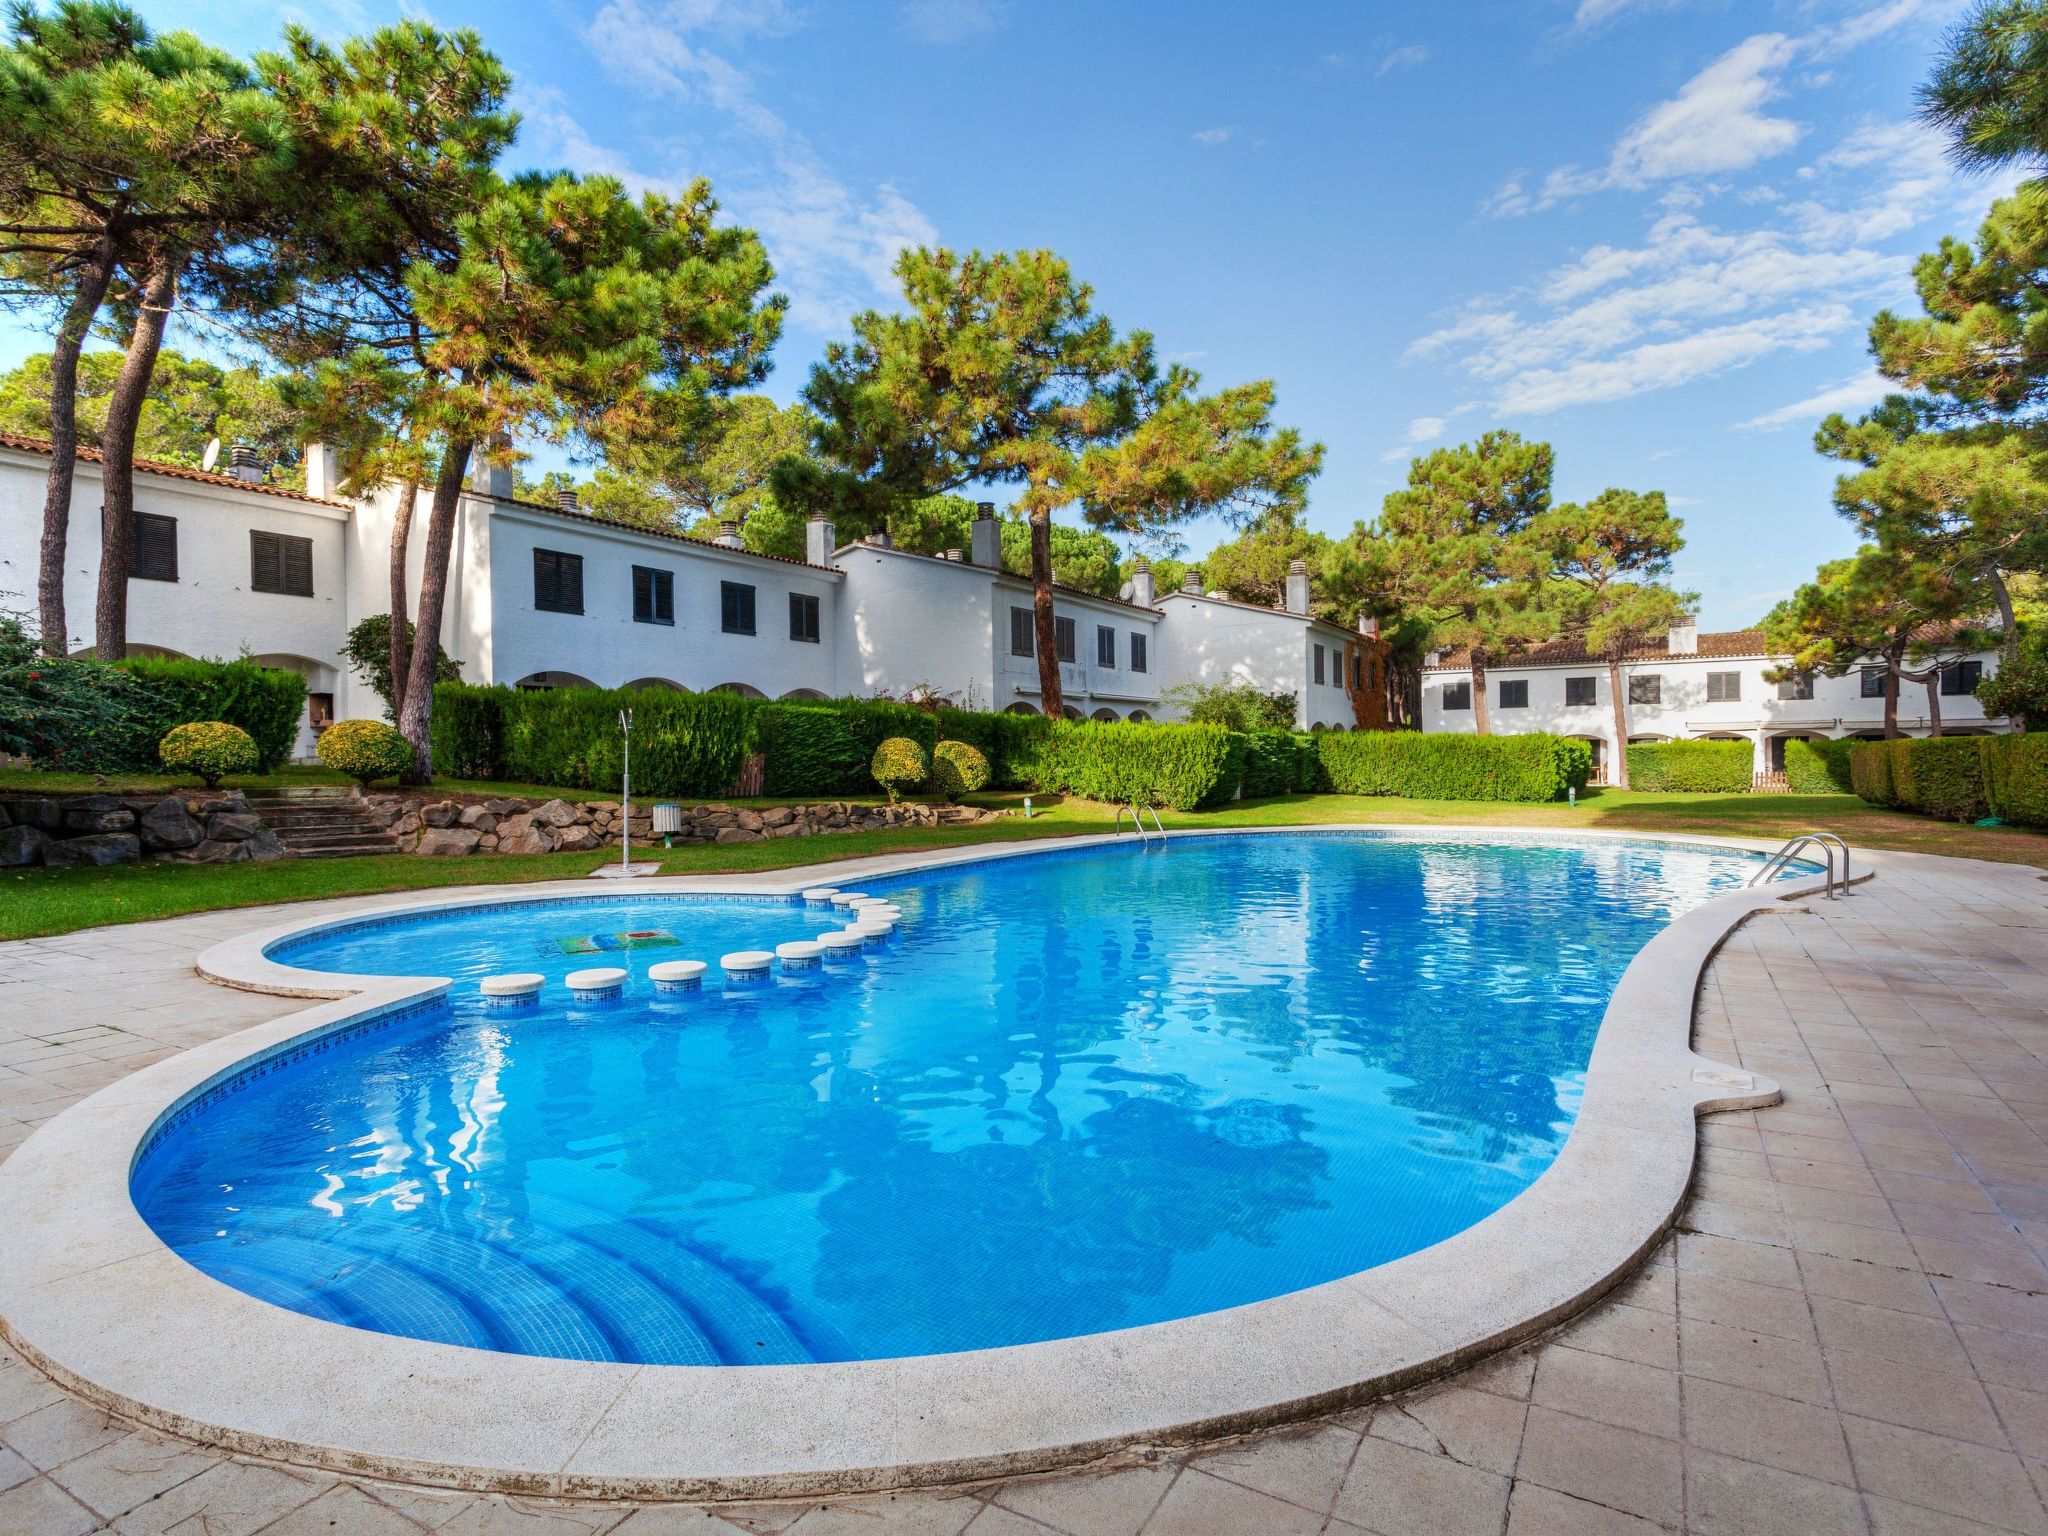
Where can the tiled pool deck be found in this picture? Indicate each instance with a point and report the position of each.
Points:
(1849, 1333)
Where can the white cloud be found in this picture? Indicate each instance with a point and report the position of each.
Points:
(1407, 57)
(832, 244)
(1213, 136)
(1855, 394)
(1593, 12)
(1878, 20)
(1426, 429)
(1667, 364)
(950, 21)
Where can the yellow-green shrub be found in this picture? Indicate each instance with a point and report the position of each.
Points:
(899, 765)
(958, 769)
(212, 749)
(365, 750)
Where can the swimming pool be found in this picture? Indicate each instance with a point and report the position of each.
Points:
(1082, 1090)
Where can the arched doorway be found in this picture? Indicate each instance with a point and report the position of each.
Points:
(656, 685)
(744, 690)
(1599, 747)
(538, 682)
(1139, 717)
(1104, 714)
(148, 652)
(322, 682)
(805, 693)
(1774, 749)
(1068, 712)
(1021, 708)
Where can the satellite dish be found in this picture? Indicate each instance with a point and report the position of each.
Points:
(212, 455)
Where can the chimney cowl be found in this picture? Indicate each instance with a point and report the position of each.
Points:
(729, 534)
(243, 464)
(818, 540)
(1191, 583)
(565, 498)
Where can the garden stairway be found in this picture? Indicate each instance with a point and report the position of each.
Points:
(321, 823)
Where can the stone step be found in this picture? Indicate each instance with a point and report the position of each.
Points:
(346, 850)
(340, 836)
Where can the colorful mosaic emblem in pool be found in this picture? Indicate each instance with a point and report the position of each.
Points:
(1077, 1091)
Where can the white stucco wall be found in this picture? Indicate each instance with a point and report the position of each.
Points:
(1757, 715)
(1214, 642)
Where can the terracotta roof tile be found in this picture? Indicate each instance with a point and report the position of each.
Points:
(173, 471)
(672, 535)
(1565, 653)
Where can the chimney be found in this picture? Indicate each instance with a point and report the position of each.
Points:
(565, 499)
(244, 465)
(955, 555)
(1368, 626)
(818, 540)
(985, 539)
(490, 475)
(1684, 639)
(1192, 582)
(323, 475)
(1297, 587)
(1142, 591)
(729, 535)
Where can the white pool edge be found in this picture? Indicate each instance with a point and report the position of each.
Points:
(92, 1296)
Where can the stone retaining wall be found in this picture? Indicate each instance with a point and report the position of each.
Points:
(469, 824)
(190, 827)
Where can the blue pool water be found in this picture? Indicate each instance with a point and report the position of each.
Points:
(1081, 1090)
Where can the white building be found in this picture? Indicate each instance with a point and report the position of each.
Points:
(1697, 686)
(1216, 640)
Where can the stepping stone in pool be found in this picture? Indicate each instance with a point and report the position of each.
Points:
(677, 975)
(599, 981)
(511, 988)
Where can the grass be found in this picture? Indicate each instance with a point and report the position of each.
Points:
(36, 902)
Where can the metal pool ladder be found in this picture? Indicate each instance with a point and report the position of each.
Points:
(1827, 842)
(1138, 822)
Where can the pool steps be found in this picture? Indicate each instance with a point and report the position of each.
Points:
(872, 920)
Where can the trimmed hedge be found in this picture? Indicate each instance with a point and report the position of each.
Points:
(267, 702)
(365, 750)
(1947, 776)
(683, 743)
(1009, 742)
(1272, 764)
(208, 748)
(1519, 768)
(826, 748)
(2016, 777)
(958, 768)
(1183, 767)
(1693, 767)
(1817, 767)
(900, 766)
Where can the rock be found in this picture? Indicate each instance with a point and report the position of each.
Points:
(777, 816)
(736, 835)
(167, 825)
(601, 807)
(43, 815)
(527, 841)
(233, 826)
(476, 816)
(556, 813)
(407, 824)
(784, 829)
(751, 820)
(98, 813)
(447, 842)
(489, 844)
(20, 845)
(442, 813)
(265, 845)
(97, 848)
(504, 807)
(212, 851)
(515, 826)
(577, 840)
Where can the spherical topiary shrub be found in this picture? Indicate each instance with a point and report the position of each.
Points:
(958, 768)
(365, 750)
(208, 748)
(899, 765)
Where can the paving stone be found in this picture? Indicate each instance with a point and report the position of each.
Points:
(1746, 1358)
(1972, 1481)
(132, 1470)
(1538, 1511)
(908, 1514)
(1200, 1505)
(1725, 1497)
(1302, 1467)
(1394, 1490)
(1636, 1473)
(1776, 1431)
(1913, 1395)
(1091, 1503)
(1477, 1428)
(1742, 1303)
(231, 1498)
(342, 1508)
(1613, 1391)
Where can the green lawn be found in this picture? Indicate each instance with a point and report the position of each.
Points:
(46, 901)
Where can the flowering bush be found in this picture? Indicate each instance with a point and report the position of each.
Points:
(211, 749)
(899, 765)
(65, 713)
(365, 750)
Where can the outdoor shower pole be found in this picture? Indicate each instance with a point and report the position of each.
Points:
(626, 795)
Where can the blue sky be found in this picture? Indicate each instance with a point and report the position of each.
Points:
(1648, 231)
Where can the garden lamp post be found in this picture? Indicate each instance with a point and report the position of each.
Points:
(626, 795)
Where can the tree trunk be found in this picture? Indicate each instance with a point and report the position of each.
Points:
(1049, 696)
(1480, 721)
(2008, 622)
(1618, 775)
(401, 605)
(1934, 701)
(1891, 694)
(117, 453)
(417, 718)
(78, 317)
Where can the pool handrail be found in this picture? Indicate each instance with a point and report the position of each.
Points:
(1138, 822)
(1827, 842)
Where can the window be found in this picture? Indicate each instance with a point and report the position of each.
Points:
(1023, 634)
(736, 607)
(1515, 694)
(803, 617)
(1457, 696)
(1873, 682)
(1724, 687)
(1798, 686)
(654, 595)
(319, 710)
(156, 548)
(1961, 677)
(1646, 688)
(279, 562)
(1105, 646)
(1358, 669)
(1580, 691)
(557, 581)
(1063, 638)
(1319, 664)
(1137, 652)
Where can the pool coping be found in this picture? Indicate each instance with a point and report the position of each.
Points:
(93, 1297)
